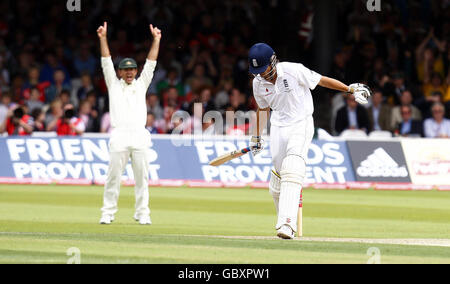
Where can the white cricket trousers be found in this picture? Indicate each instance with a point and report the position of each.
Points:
(289, 146)
(291, 140)
(125, 145)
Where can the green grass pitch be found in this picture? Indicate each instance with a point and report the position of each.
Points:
(38, 224)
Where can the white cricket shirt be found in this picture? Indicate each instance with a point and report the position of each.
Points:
(290, 98)
(128, 108)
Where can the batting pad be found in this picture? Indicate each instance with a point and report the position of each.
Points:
(275, 188)
(292, 177)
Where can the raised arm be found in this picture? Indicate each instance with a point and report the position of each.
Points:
(102, 33)
(421, 48)
(107, 64)
(154, 51)
(149, 67)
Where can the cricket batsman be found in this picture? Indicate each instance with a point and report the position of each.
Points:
(285, 88)
(129, 138)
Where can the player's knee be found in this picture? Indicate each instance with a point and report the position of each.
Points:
(293, 169)
(275, 184)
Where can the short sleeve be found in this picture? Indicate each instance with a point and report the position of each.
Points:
(262, 103)
(307, 77)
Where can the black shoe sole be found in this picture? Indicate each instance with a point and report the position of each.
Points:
(284, 237)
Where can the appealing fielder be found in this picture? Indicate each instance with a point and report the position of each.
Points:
(129, 138)
(285, 88)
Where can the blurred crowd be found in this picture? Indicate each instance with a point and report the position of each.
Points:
(403, 54)
(51, 81)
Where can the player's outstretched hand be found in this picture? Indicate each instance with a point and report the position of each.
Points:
(156, 33)
(102, 31)
(257, 145)
(361, 92)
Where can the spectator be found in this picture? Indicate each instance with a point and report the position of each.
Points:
(93, 99)
(151, 124)
(206, 99)
(85, 62)
(105, 124)
(39, 120)
(50, 68)
(172, 80)
(237, 101)
(199, 74)
(5, 104)
(236, 116)
(436, 85)
(69, 124)
(394, 88)
(4, 75)
(409, 127)
(428, 59)
(222, 97)
(379, 113)
(376, 47)
(166, 124)
(89, 117)
(55, 113)
(154, 106)
(352, 116)
(55, 89)
(171, 97)
(86, 86)
(437, 126)
(34, 100)
(426, 104)
(18, 123)
(34, 82)
(339, 69)
(405, 100)
(192, 92)
(64, 97)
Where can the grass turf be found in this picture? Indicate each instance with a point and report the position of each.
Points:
(38, 224)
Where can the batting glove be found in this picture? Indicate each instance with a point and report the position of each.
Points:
(257, 145)
(361, 92)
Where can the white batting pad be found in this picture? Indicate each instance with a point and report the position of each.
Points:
(275, 189)
(292, 176)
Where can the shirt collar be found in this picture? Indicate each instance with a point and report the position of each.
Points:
(280, 71)
(351, 110)
(122, 81)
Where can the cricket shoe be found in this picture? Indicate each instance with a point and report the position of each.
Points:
(145, 220)
(286, 233)
(106, 220)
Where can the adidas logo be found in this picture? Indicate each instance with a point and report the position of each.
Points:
(381, 164)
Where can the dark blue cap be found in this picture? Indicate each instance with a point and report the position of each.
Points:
(259, 58)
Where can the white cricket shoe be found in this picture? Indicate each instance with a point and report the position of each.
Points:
(145, 220)
(106, 220)
(286, 233)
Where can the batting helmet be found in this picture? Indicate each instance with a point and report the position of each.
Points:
(260, 57)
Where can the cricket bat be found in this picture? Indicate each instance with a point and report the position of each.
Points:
(230, 156)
